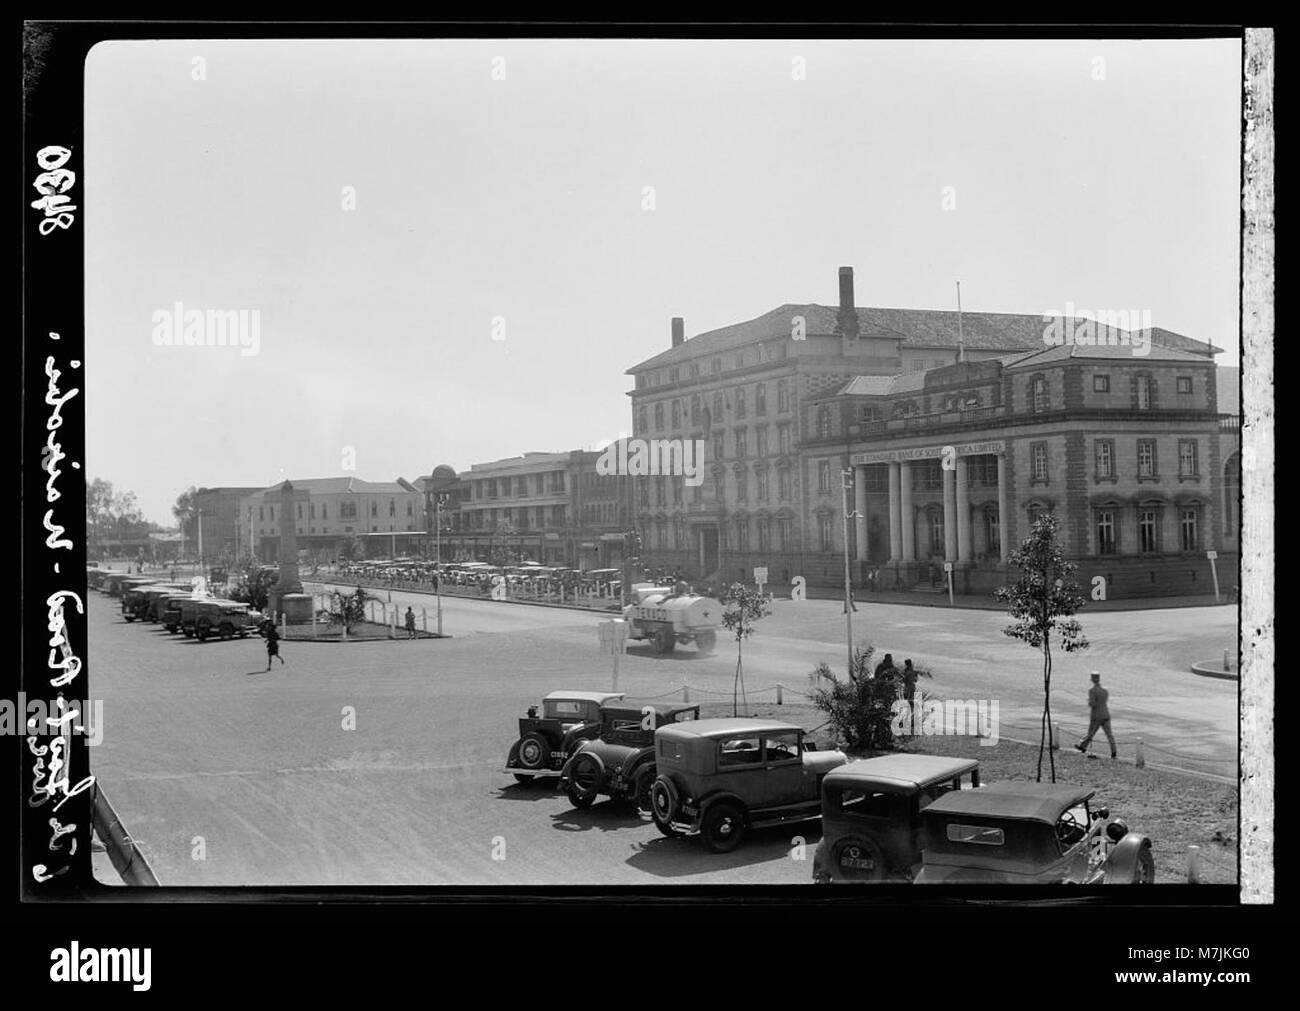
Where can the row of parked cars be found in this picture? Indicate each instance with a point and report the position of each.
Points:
(898, 817)
(175, 606)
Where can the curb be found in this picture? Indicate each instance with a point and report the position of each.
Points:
(1208, 669)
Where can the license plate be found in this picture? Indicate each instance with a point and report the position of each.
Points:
(859, 863)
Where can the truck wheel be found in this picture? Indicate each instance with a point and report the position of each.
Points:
(227, 630)
(534, 750)
(665, 640)
(203, 629)
(663, 804)
(129, 617)
(189, 633)
(705, 642)
(723, 826)
(585, 775)
(850, 859)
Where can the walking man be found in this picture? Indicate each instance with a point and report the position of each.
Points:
(1098, 715)
(909, 681)
(410, 622)
(272, 644)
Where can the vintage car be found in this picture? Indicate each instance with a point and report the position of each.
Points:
(871, 814)
(211, 616)
(545, 742)
(169, 609)
(1029, 833)
(118, 583)
(147, 599)
(620, 763)
(720, 778)
(134, 598)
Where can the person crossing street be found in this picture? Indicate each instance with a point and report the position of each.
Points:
(272, 644)
(1098, 715)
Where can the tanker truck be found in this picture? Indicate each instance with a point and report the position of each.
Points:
(667, 618)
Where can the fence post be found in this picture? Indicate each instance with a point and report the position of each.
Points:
(1141, 762)
(1056, 741)
(1193, 864)
(424, 620)
(778, 694)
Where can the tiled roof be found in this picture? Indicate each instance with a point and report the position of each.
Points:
(1063, 351)
(918, 328)
(336, 486)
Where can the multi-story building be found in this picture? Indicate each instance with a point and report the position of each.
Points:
(217, 526)
(762, 398)
(333, 512)
(518, 509)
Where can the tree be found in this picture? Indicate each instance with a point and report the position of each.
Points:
(860, 707)
(1042, 601)
(254, 586)
(743, 606)
(186, 513)
(346, 609)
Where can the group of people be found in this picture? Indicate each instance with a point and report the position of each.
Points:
(906, 676)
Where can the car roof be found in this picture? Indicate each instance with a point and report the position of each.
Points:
(727, 727)
(660, 708)
(598, 697)
(1012, 800)
(902, 771)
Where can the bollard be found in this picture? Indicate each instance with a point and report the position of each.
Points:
(1056, 742)
(1141, 761)
(424, 620)
(778, 694)
(1193, 864)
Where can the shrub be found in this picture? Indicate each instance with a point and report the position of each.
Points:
(859, 707)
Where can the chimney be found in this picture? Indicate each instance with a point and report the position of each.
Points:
(848, 315)
(679, 331)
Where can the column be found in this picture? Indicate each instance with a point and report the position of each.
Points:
(963, 510)
(1004, 548)
(860, 507)
(895, 514)
(949, 515)
(908, 516)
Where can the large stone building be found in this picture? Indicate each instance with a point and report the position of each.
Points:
(217, 525)
(333, 513)
(785, 402)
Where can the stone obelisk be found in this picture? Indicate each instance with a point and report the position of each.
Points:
(286, 598)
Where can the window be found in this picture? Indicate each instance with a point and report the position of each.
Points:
(673, 375)
(760, 398)
(1105, 531)
(739, 751)
(720, 486)
(409, 509)
(1146, 451)
(877, 477)
(824, 476)
(259, 513)
(695, 409)
(677, 414)
(980, 835)
(392, 508)
(374, 508)
(762, 486)
(783, 484)
(1142, 390)
(782, 534)
(1148, 525)
(717, 366)
(783, 747)
(659, 417)
(1038, 453)
(740, 444)
(719, 445)
(824, 422)
(742, 534)
(938, 363)
(764, 535)
(825, 524)
(313, 510)
(937, 535)
(1189, 528)
(761, 439)
(1105, 456)
(347, 510)
(740, 402)
(783, 438)
(742, 485)
(1101, 384)
(869, 413)
(992, 531)
(916, 365)
(640, 421)
(659, 491)
(677, 493)
(782, 395)
(1187, 458)
(717, 408)
(1039, 394)
(1184, 384)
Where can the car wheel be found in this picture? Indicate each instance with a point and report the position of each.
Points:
(857, 859)
(189, 633)
(203, 629)
(705, 642)
(585, 775)
(663, 804)
(129, 617)
(1145, 871)
(534, 750)
(227, 630)
(723, 826)
(642, 783)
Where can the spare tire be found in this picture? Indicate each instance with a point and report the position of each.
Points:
(857, 858)
(664, 803)
(586, 773)
(534, 752)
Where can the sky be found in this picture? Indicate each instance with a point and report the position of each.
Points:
(455, 257)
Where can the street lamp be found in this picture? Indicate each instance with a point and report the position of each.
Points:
(847, 475)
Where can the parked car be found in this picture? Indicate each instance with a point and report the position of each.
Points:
(720, 778)
(1030, 833)
(545, 742)
(871, 814)
(620, 762)
(214, 616)
(135, 597)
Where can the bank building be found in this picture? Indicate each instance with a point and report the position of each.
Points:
(809, 412)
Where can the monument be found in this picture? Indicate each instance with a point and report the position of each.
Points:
(286, 601)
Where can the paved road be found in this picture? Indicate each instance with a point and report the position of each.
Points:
(266, 777)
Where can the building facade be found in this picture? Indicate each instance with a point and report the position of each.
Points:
(784, 404)
(218, 528)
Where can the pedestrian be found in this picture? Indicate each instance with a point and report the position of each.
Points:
(410, 622)
(909, 680)
(886, 666)
(272, 644)
(1098, 715)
